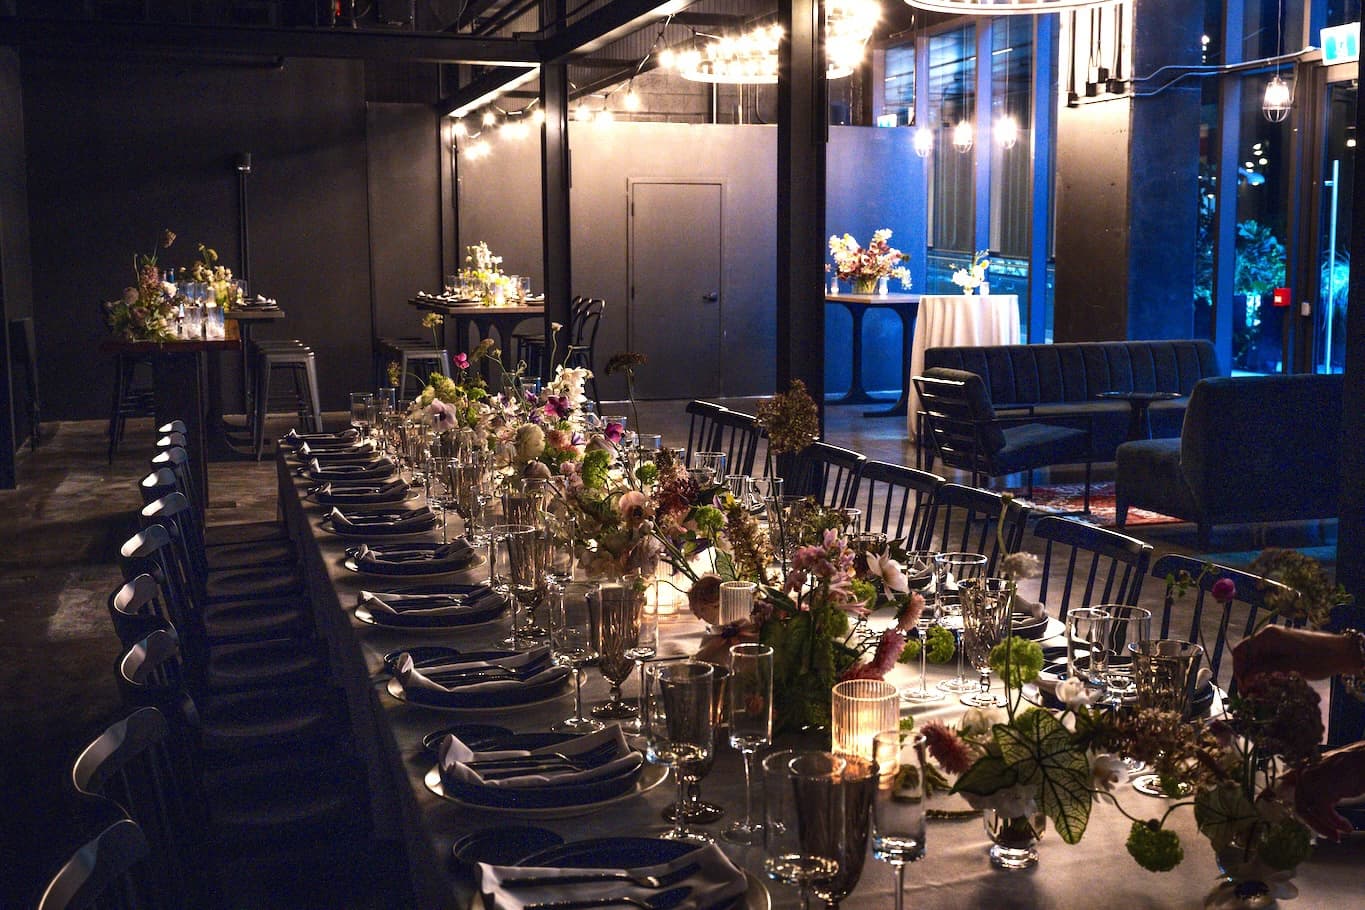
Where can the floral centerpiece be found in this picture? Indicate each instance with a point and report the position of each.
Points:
(146, 311)
(865, 267)
(974, 276)
(216, 276)
(483, 271)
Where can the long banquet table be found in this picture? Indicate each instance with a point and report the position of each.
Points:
(955, 873)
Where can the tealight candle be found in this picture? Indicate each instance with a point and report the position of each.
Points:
(862, 708)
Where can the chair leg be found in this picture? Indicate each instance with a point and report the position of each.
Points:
(115, 403)
(262, 405)
(1085, 501)
(314, 396)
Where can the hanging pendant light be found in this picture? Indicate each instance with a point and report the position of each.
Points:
(964, 136)
(1005, 131)
(1278, 100)
(924, 141)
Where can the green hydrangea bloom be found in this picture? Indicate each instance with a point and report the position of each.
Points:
(1155, 848)
(942, 647)
(594, 470)
(1017, 661)
(1285, 844)
(647, 473)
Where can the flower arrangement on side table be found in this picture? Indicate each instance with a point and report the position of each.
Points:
(974, 276)
(865, 267)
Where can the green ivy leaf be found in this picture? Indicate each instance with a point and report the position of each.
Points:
(1223, 812)
(986, 776)
(1040, 751)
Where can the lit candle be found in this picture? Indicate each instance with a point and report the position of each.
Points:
(862, 708)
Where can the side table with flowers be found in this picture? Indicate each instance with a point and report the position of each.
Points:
(866, 267)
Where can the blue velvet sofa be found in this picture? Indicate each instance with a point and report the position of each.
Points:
(1252, 449)
(1064, 380)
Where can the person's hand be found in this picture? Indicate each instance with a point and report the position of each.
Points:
(1277, 649)
(1318, 788)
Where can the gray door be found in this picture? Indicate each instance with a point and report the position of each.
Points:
(675, 299)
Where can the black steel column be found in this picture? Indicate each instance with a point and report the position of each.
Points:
(554, 202)
(802, 134)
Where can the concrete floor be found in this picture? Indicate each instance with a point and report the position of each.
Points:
(58, 566)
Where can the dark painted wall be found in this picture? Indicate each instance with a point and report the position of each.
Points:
(118, 150)
(16, 290)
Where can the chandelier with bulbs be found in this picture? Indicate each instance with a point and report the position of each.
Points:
(751, 58)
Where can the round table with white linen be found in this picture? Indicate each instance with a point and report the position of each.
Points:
(959, 320)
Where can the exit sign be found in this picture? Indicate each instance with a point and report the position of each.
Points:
(1341, 44)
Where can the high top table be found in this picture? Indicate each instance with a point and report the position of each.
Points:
(955, 873)
(905, 307)
(485, 319)
(958, 320)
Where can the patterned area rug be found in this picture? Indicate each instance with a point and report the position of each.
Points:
(1068, 497)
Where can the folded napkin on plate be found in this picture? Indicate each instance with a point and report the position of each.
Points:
(372, 470)
(415, 559)
(406, 522)
(430, 604)
(415, 680)
(616, 758)
(716, 881)
(1035, 608)
(393, 491)
(295, 438)
(349, 451)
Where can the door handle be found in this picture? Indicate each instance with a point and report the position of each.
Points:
(712, 297)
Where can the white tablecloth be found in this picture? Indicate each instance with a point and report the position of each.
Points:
(959, 321)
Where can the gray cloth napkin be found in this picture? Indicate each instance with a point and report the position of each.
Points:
(429, 604)
(455, 756)
(412, 559)
(412, 678)
(411, 521)
(295, 438)
(380, 467)
(716, 881)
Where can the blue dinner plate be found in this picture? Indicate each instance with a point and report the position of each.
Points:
(504, 845)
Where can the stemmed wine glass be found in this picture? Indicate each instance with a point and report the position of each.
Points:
(442, 490)
(985, 623)
(751, 725)
(572, 644)
(677, 726)
(645, 648)
(847, 829)
(919, 573)
(950, 570)
(801, 799)
(475, 490)
(898, 812)
(621, 605)
(692, 806)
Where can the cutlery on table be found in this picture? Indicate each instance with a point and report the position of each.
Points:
(643, 881)
(664, 900)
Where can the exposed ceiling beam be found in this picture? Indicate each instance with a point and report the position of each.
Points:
(485, 87)
(709, 19)
(473, 10)
(606, 24)
(124, 37)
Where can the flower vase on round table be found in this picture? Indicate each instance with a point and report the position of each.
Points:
(865, 285)
(1014, 838)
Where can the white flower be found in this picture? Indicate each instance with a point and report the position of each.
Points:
(979, 721)
(1076, 694)
(1010, 802)
(530, 442)
(889, 571)
(1108, 771)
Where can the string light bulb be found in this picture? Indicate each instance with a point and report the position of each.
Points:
(964, 137)
(489, 118)
(632, 100)
(924, 141)
(604, 117)
(459, 129)
(581, 113)
(1006, 131)
(538, 117)
(1278, 100)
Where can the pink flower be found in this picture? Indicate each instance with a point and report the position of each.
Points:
(947, 747)
(442, 415)
(559, 439)
(462, 361)
(888, 649)
(634, 508)
(557, 407)
(1224, 590)
(613, 432)
(914, 607)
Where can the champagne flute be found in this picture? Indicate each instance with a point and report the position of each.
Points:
(511, 571)
(362, 412)
(800, 798)
(985, 623)
(645, 649)
(920, 574)
(621, 605)
(751, 725)
(572, 642)
(475, 489)
(442, 490)
(677, 726)
(950, 570)
(898, 812)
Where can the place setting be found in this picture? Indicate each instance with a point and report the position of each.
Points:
(412, 559)
(436, 607)
(478, 681)
(380, 467)
(367, 523)
(358, 494)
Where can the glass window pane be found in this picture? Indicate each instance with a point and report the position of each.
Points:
(1011, 145)
(1342, 12)
(899, 90)
(952, 194)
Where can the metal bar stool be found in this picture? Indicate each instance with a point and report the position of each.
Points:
(130, 399)
(296, 359)
(413, 356)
